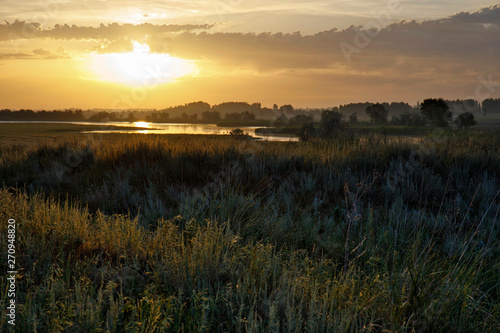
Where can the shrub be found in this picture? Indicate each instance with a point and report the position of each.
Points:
(465, 120)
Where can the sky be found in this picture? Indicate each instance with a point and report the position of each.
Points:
(121, 54)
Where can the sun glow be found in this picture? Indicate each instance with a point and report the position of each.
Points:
(142, 124)
(140, 67)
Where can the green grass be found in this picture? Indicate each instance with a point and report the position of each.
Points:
(206, 233)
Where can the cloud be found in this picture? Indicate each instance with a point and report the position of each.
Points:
(37, 54)
(458, 46)
(484, 15)
(21, 29)
(17, 55)
(42, 52)
(400, 48)
(46, 54)
(115, 30)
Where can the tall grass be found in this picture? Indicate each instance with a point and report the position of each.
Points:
(205, 234)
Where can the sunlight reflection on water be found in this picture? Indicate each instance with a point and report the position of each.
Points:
(173, 128)
(168, 128)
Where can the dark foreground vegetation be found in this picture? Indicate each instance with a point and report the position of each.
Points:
(137, 233)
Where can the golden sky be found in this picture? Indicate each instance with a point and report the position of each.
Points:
(153, 54)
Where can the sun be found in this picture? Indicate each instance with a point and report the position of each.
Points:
(140, 67)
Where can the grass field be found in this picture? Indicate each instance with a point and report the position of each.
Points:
(182, 233)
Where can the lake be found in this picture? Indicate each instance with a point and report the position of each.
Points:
(169, 128)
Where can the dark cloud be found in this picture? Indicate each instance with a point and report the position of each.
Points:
(417, 47)
(114, 30)
(42, 52)
(27, 30)
(37, 54)
(462, 43)
(484, 15)
(19, 30)
(46, 54)
(17, 55)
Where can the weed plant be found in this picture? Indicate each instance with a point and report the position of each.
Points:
(211, 234)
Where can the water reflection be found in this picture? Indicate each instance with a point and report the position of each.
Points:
(144, 127)
(172, 128)
(142, 124)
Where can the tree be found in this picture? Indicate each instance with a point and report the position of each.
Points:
(302, 118)
(409, 119)
(210, 116)
(491, 105)
(353, 118)
(465, 120)
(286, 108)
(131, 118)
(437, 111)
(102, 117)
(378, 113)
(233, 116)
(331, 123)
(307, 132)
(247, 116)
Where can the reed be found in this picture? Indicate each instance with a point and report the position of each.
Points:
(194, 233)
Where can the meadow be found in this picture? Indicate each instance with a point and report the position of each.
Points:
(186, 233)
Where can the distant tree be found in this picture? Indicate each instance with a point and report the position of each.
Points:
(286, 108)
(464, 105)
(409, 119)
(331, 123)
(465, 120)
(189, 117)
(418, 120)
(378, 113)
(233, 116)
(131, 118)
(437, 111)
(159, 117)
(354, 107)
(79, 114)
(282, 120)
(163, 117)
(395, 120)
(302, 118)
(399, 107)
(491, 106)
(306, 132)
(197, 107)
(247, 115)
(210, 115)
(275, 106)
(228, 107)
(102, 116)
(353, 118)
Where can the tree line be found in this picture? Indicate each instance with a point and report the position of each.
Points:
(433, 111)
(402, 113)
